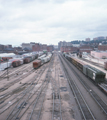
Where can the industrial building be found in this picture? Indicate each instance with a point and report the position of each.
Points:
(99, 54)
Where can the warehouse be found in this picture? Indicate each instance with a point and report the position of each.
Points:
(99, 54)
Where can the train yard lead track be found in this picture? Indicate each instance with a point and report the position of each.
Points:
(97, 99)
(84, 108)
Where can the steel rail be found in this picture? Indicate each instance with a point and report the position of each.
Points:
(19, 87)
(59, 94)
(25, 94)
(43, 87)
(47, 79)
(56, 96)
(97, 99)
(84, 108)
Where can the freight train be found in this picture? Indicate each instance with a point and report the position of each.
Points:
(95, 74)
(41, 60)
(15, 62)
(24, 59)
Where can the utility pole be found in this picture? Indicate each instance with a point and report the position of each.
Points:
(7, 71)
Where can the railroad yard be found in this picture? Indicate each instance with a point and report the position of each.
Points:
(56, 90)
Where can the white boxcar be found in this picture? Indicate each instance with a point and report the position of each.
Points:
(3, 66)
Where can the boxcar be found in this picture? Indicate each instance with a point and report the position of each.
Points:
(36, 64)
(16, 63)
(27, 60)
(95, 74)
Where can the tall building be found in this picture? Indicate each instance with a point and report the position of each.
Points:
(64, 44)
(102, 47)
(87, 39)
(28, 45)
(99, 38)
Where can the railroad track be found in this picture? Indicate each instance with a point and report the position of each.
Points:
(38, 104)
(94, 63)
(6, 105)
(16, 80)
(32, 97)
(96, 98)
(84, 108)
(15, 71)
(18, 77)
(56, 109)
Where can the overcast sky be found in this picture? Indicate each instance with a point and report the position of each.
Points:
(51, 21)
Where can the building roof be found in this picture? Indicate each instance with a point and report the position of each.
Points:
(9, 49)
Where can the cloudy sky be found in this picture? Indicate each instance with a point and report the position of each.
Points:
(51, 21)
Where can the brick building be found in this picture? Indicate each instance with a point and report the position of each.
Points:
(50, 48)
(85, 48)
(68, 49)
(36, 47)
(64, 43)
(44, 47)
(40, 47)
(102, 47)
